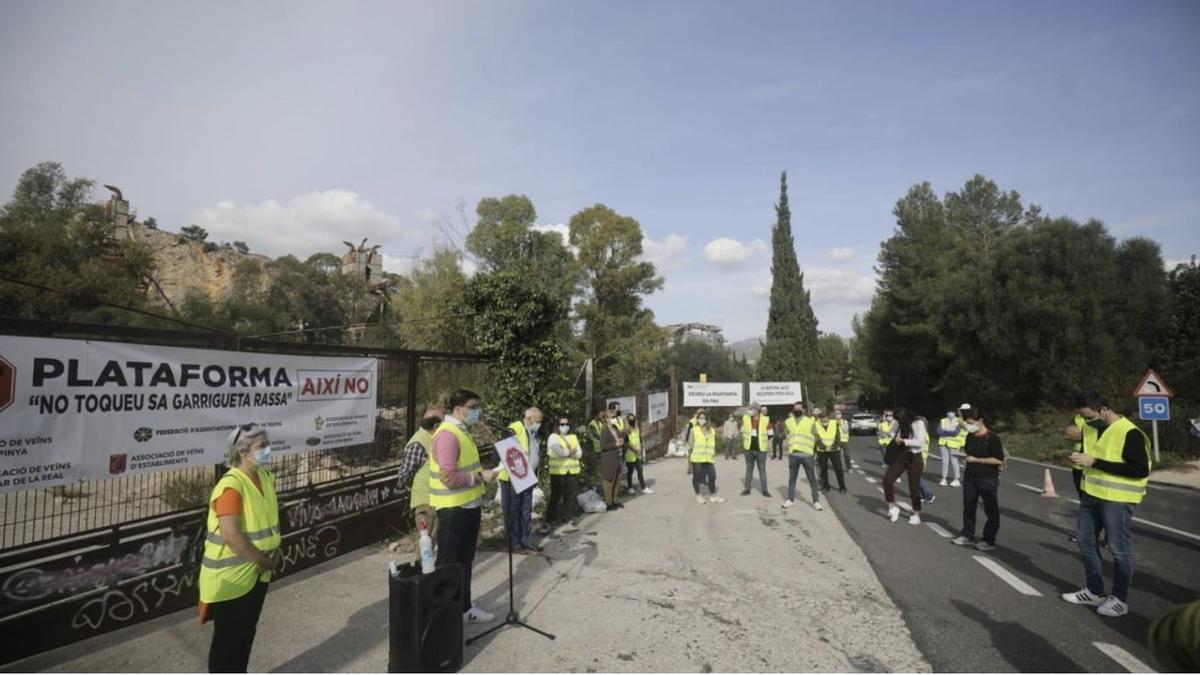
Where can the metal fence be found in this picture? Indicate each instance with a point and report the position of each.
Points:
(407, 380)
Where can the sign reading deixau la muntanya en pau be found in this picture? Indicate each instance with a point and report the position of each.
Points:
(74, 409)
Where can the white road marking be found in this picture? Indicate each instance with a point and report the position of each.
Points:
(1006, 576)
(1029, 487)
(1151, 523)
(903, 507)
(871, 480)
(1128, 661)
(860, 472)
(940, 530)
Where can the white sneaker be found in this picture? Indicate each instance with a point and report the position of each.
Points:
(700, 499)
(716, 500)
(914, 519)
(632, 491)
(647, 491)
(787, 503)
(955, 483)
(894, 513)
(1112, 607)
(1084, 597)
(961, 541)
(943, 483)
(477, 615)
(817, 506)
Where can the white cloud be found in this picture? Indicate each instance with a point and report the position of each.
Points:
(760, 291)
(667, 253)
(830, 286)
(840, 254)
(1170, 264)
(561, 229)
(729, 253)
(303, 225)
(401, 265)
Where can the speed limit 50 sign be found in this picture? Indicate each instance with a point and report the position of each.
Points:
(1154, 408)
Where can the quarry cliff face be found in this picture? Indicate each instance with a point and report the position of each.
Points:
(183, 265)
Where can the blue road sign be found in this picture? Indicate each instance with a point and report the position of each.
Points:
(1154, 408)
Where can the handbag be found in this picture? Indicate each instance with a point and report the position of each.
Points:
(893, 451)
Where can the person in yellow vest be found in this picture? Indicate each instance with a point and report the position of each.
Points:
(518, 506)
(241, 547)
(563, 454)
(618, 419)
(843, 438)
(1083, 433)
(927, 496)
(702, 446)
(755, 446)
(950, 443)
(635, 456)
(1114, 480)
(827, 451)
(801, 443)
(687, 434)
(414, 472)
(885, 432)
(456, 486)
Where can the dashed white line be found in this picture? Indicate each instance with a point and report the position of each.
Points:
(940, 530)
(871, 480)
(1006, 576)
(1151, 523)
(860, 472)
(1128, 661)
(903, 507)
(1030, 488)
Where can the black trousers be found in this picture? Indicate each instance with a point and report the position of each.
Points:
(234, 624)
(976, 488)
(562, 498)
(458, 534)
(630, 467)
(823, 458)
(704, 472)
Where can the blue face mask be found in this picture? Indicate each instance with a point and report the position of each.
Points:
(473, 415)
(534, 427)
(262, 455)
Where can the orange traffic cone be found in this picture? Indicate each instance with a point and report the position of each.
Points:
(1048, 486)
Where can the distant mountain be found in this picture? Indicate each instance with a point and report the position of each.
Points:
(750, 348)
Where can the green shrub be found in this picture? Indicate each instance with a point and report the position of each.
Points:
(186, 492)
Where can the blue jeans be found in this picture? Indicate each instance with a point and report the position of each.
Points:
(758, 457)
(1117, 518)
(795, 461)
(926, 493)
(518, 515)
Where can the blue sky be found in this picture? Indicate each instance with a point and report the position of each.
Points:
(293, 126)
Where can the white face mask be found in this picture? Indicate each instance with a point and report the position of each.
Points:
(951, 416)
(702, 421)
(972, 428)
(564, 428)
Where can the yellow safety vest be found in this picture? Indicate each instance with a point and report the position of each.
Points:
(800, 435)
(419, 494)
(844, 431)
(956, 441)
(1106, 486)
(763, 425)
(619, 423)
(1088, 438)
(562, 466)
(884, 434)
(828, 433)
(522, 434)
(595, 430)
(442, 497)
(224, 575)
(633, 446)
(925, 450)
(705, 446)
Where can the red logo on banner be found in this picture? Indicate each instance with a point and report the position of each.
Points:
(8, 383)
(116, 464)
(516, 462)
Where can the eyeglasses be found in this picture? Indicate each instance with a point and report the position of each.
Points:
(241, 430)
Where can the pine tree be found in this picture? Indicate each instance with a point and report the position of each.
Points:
(790, 350)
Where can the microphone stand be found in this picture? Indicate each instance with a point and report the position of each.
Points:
(514, 617)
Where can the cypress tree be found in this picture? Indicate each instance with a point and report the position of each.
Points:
(790, 349)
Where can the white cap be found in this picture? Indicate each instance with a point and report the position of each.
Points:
(965, 406)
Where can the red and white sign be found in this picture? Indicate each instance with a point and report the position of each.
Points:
(520, 471)
(1152, 385)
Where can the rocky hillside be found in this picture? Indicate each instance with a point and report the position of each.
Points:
(183, 264)
(751, 348)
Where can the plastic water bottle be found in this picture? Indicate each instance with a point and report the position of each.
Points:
(394, 568)
(426, 545)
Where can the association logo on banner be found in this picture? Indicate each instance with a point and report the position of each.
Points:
(8, 383)
(143, 434)
(117, 464)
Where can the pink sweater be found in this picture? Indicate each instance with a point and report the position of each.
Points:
(445, 453)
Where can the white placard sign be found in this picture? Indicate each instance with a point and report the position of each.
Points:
(628, 404)
(776, 393)
(659, 406)
(74, 409)
(520, 471)
(698, 394)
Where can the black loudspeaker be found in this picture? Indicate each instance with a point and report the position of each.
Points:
(425, 624)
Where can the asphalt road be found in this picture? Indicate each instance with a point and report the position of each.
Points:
(965, 616)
